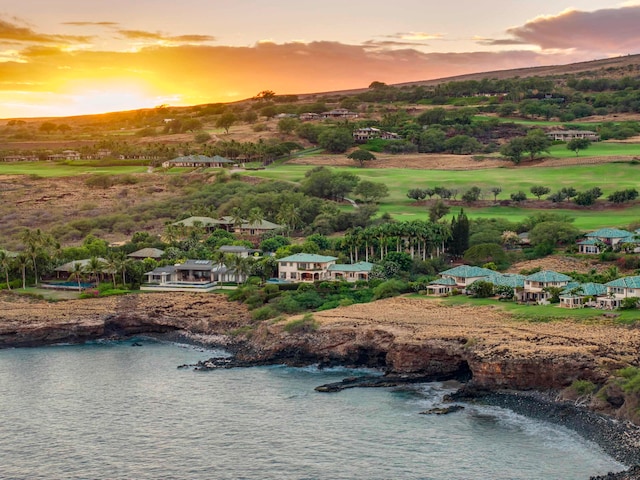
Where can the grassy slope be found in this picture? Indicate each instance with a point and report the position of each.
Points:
(609, 177)
(48, 169)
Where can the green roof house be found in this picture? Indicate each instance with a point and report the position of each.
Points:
(351, 272)
(577, 295)
(536, 285)
(619, 289)
(610, 237)
(465, 275)
(305, 267)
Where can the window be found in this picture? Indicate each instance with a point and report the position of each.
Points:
(294, 275)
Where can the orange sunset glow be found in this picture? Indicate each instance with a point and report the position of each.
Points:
(92, 59)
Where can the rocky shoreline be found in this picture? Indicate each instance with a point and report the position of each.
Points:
(506, 362)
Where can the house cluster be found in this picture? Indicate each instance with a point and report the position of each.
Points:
(535, 288)
(198, 161)
(614, 239)
(568, 135)
(363, 135)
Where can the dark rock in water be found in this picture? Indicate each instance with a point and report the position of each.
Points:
(136, 344)
(442, 410)
(377, 381)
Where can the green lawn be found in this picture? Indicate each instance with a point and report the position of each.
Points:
(597, 149)
(544, 313)
(609, 177)
(48, 169)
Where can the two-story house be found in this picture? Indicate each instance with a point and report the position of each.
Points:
(594, 242)
(619, 289)
(536, 285)
(305, 267)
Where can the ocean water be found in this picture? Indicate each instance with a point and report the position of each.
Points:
(114, 411)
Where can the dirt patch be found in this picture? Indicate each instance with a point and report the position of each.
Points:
(559, 263)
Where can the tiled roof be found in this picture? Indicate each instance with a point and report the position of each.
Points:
(467, 271)
(355, 267)
(513, 280)
(625, 282)
(189, 222)
(586, 289)
(588, 241)
(262, 225)
(443, 281)
(147, 253)
(609, 233)
(307, 258)
(547, 276)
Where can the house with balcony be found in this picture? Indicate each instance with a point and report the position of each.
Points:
(339, 113)
(536, 285)
(568, 135)
(190, 276)
(618, 290)
(305, 267)
(199, 161)
(363, 135)
(465, 275)
(351, 272)
(595, 242)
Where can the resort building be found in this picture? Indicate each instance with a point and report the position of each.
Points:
(363, 135)
(582, 295)
(305, 267)
(568, 135)
(534, 289)
(199, 161)
(465, 275)
(192, 275)
(619, 289)
(339, 113)
(595, 242)
(351, 272)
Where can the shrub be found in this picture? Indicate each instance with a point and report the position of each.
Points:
(264, 313)
(306, 324)
(629, 303)
(390, 288)
(631, 382)
(583, 387)
(481, 289)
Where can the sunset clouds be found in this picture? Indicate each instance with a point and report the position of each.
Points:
(62, 67)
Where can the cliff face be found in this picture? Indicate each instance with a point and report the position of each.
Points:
(401, 335)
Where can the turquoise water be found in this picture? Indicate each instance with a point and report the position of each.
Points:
(113, 411)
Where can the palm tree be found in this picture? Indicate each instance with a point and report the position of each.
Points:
(33, 241)
(289, 215)
(77, 273)
(112, 266)
(255, 216)
(23, 261)
(95, 268)
(5, 263)
(236, 217)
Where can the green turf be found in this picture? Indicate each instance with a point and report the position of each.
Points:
(545, 313)
(609, 177)
(597, 149)
(48, 169)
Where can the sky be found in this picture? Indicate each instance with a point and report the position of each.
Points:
(69, 57)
